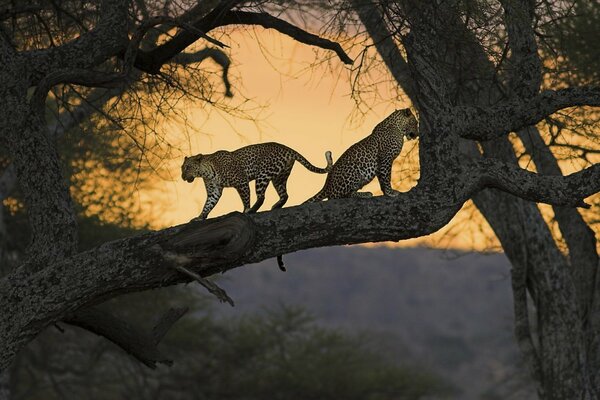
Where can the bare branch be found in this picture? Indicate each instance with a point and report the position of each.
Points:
(491, 122)
(210, 286)
(152, 61)
(90, 78)
(372, 18)
(269, 22)
(136, 342)
(33, 301)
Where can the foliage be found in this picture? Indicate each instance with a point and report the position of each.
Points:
(281, 354)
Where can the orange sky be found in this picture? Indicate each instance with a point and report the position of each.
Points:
(308, 109)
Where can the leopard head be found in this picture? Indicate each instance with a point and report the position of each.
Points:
(192, 168)
(405, 121)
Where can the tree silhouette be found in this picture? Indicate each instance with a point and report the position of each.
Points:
(467, 107)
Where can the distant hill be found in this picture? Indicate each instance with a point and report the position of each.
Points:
(451, 312)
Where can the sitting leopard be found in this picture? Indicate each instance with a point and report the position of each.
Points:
(372, 156)
(265, 162)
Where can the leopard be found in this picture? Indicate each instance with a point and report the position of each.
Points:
(263, 162)
(370, 157)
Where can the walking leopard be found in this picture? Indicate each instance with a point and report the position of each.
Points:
(264, 162)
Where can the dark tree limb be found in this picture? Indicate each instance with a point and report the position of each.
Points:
(216, 245)
(216, 55)
(569, 190)
(136, 342)
(578, 236)
(108, 38)
(479, 123)
(153, 60)
(525, 64)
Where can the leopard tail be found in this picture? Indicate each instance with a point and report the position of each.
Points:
(300, 158)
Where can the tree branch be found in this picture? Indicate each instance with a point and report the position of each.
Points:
(569, 190)
(491, 122)
(578, 236)
(76, 76)
(31, 302)
(372, 18)
(526, 71)
(89, 50)
(133, 340)
(216, 55)
(152, 61)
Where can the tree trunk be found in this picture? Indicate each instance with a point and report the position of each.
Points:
(558, 351)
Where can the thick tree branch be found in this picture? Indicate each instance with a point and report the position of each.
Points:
(89, 50)
(267, 21)
(567, 190)
(136, 342)
(578, 236)
(33, 301)
(76, 76)
(487, 123)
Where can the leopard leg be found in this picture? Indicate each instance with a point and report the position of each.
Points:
(384, 172)
(280, 182)
(244, 192)
(261, 188)
(213, 194)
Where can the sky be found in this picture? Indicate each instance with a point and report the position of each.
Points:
(306, 107)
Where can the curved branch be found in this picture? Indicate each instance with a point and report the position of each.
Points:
(569, 190)
(217, 56)
(267, 21)
(76, 76)
(491, 122)
(152, 61)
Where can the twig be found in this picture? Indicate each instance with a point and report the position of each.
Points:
(210, 286)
